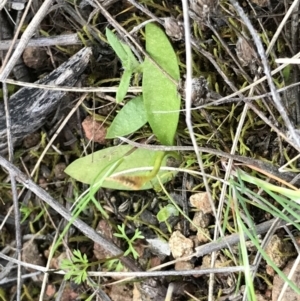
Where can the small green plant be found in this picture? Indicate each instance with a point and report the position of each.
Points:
(161, 100)
(76, 267)
(158, 105)
(124, 167)
(128, 60)
(27, 211)
(130, 241)
(165, 213)
(113, 265)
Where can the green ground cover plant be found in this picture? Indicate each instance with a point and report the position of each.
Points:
(158, 105)
(245, 168)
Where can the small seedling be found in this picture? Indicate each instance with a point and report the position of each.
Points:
(128, 60)
(159, 106)
(113, 265)
(165, 213)
(130, 241)
(76, 267)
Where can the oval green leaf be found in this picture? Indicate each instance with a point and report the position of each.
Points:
(130, 118)
(92, 168)
(159, 92)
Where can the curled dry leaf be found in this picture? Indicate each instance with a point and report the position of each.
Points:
(94, 130)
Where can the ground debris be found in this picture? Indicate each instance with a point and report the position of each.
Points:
(290, 294)
(94, 130)
(180, 246)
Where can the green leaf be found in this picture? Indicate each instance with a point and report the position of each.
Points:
(130, 118)
(166, 212)
(92, 168)
(124, 85)
(68, 276)
(128, 60)
(137, 234)
(123, 51)
(116, 45)
(159, 92)
(133, 63)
